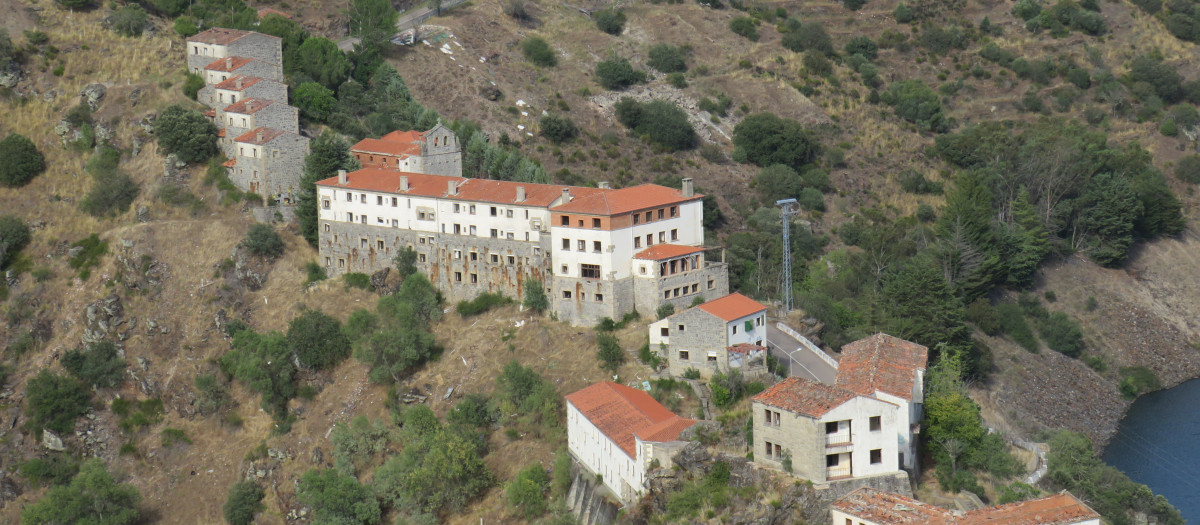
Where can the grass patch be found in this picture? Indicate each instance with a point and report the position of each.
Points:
(135, 415)
(172, 436)
(357, 280)
(89, 256)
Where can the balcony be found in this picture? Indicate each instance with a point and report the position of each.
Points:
(839, 472)
(838, 439)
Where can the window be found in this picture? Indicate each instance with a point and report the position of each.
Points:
(379, 200)
(681, 328)
(649, 239)
(712, 357)
(493, 211)
(474, 278)
(379, 244)
(580, 223)
(599, 298)
(735, 327)
(589, 271)
(326, 227)
(664, 331)
(458, 254)
(566, 244)
(876, 456)
(831, 428)
(637, 242)
(509, 236)
(770, 448)
(457, 207)
(695, 288)
(471, 210)
(596, 246)
(395, 223)
(637, 219)
(364, 219)
(674, 211)
(642, 269)
(683, 355)
(580, 245)
(341, 263)
(660, 213)
(566, 220)
(495, 233)
(512, 260)
(674, 235)
(325, 204)
(876, 423)
(458, 277)
(327, 261)
(831, 460)
(662, 237)
(508, 213)
(362, 197)
(350, 217)
(565, 270)
(396, 201)
(772, 417)
(711, 284)
(363, 242)
(666, 294)
(758, 321)
(595, 223)
(349, 197)
(495, 258)
(472, 229)
(421, 257)
(649, 216)
(566, 294)
(474, 255)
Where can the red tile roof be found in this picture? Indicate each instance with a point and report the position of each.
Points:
(386, 147)
(886, 508)
(231, 83)
(477, 190)
(745, 348)
(259, 136)
(248, 106)
(805, 397)
(881, 363)
(221, 133)
(210, 113)
(218, 35)
(659, 252)
(625, 414)
(228, 63)
(625, 200)
(229, 163)
(272, 11)
(732, 307)
(404, 136)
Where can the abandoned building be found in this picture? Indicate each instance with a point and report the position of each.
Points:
(435, 152)
(862, 427)
(206, 47)
(721, 335)
(616, 432)
(870, 506)
(597, 251)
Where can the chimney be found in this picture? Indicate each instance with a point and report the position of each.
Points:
(520, 193)
(566, 196)
(689, 191)
(229, 63)
(258, 137)
(403, 183)
(238, 82)
(249, 106)
(451, 187)
(604, 185)
(342, 178)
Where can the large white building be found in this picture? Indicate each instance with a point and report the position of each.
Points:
(599, 252)
(617, 432)
(869, 506)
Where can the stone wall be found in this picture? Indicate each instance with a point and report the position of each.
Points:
(278, 116)
(703, 332)
(262, 69)
(801, 437)
(651, 293)
(284, 170)
(266, 89)
(270, 214)
(258, 46)
(582, 307)
(441, 152)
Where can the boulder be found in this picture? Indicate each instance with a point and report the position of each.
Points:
(9, 76)
(379, 280)
(93, 94)
(51, 441)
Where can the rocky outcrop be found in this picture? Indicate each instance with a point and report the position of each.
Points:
(379, 281)
(51, 441)
(92, 94)
(249, 271)
(102, 317)
(10, 74)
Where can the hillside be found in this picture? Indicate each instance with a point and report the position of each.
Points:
(879, 195)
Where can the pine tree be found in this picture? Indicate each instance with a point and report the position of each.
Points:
(329, 153)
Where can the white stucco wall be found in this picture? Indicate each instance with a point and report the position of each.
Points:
(620, 473)
(863, 440)
(736, 333)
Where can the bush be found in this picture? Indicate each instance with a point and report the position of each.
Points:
(212, 394)
(481, 303)
(665, 310)
(315, 101)
(186, 133)
(111, 194)
(538, 52)
(527, 492)
(617, 74)
(535, 296)
(1188, 170)
(89, 256)
(171, 436)
(186, 26)
(314, 272)
(14, 236)
(917, 103)
(129, 20)
(358, 280)
(338, 498)
(610, 354)
(986, 318)
(862, 45)
(1062, 334)
(811, 199)
(810, 36)
(913, 181)
(438, 471)
(243, 502)
(903, 14)
(98, 365)
(662, 122)
(54, 469)
(55, 402)
(93, 496)
(262, 240)
(357, 444)
(1168, 128)
(22, 161)
(557, 129)
(744, 26)
(816, 63)
(317, 340)
(1012, 319)
(667, 59)
(611, 21)
(764, 139)
(135, 415)
(677, 80)
(1074, 466)
(1137, 380)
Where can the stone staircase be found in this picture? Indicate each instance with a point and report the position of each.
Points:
(586, 501)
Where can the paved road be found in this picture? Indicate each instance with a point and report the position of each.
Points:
(408, 20)
(800, 360)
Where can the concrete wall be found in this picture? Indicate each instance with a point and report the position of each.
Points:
(805, 439)
(590, 300)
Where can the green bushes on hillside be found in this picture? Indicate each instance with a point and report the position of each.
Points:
(186, 133)
(667, 58)
(617, 73)
(22, 161)
(611, 21)
(1073, 466)
(745, 27)
(764, 139)
(917, 103)
(661, 122)
(14, 236)
(538, 52)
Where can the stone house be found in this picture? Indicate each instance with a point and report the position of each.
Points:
(223, 69)
(478, 235)
(869, 506)
(207, 46)
(617, 432)
(435, 152)
(863, 426)
(251, 113)
(239, 87)
(269, 162)
(724, 334)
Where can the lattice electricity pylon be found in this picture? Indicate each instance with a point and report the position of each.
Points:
(788, 209)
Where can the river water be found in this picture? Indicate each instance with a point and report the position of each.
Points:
(1158, 443)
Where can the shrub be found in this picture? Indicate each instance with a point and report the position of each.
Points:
(986, 318)
(172, 436)
(1188, 170)
(134, 415)
(764, 139)
(811, 199)
(610, 354)
(611, 21)
(481, 303)
(660, 121)
(816, 63)
(338, 498)
(862, 45)
(1168, 128)
(538, 52)
(744, 26)
(665, 310)
(54, 469)
(926, 213)
(212, 394)
(557, 129)
(677, 80)
(14, 236)
(917, 103)
(22, 161)
(913, 181)
(810, 36)
(667, 59)
(617, 74)
(903, 14)
(314, 272)
(1062, 334)
(317, 340)
(315, 101)
(111, 194)
(527, 492)
(55, 402)
(93, 496)
(186, 133)
(98, 365)
(129, 20)
(535, 296)
(243, 502)
(262, 240)
(358, 280)
(1012, 319)
(186, 26)
(89, 256)
(357, 444)
(1137, 380)
(440, 470)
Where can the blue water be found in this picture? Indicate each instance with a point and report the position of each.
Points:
(1158, 443)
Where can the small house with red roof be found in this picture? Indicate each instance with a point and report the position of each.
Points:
(616, 432)
(863, 426)
(871, 506)
(724, 334)
(252, 113)
(436, 152)
(207, 46)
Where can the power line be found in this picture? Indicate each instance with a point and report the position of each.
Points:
(788, 209)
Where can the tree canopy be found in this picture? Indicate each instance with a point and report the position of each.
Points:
(186, 133)
(22, 161)
(317, 340)
(764, 139)
(92, 497)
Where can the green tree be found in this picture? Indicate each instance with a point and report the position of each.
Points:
(320, 59)
(129, 20)
(764, 139)
(538, 52)
(810, 36)
(328, 153)
(1188, 169)
(1073, 465)
(394, 351)
(264, 362)
(611, 21)
(22, 161)
(534, 296)
(440, 471)
(527, 492)
(1107, 211)
(192, 85)
(14, 236)
(243, 502)
(315, 101)
(610, 354)
(338, 498)
(76, 4)
(745, 27)
(55, 402)
(558, 129)
(917, 103)
(317, 340)
(186, 133)
(262, 240)
(373, 20)
(922, 307)
(659, 121)
(406, 262)
(291, 34)
(862, 45)
(98, 365)
(92, 497)
(418, 293)
(667, 59)
(617, 73)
